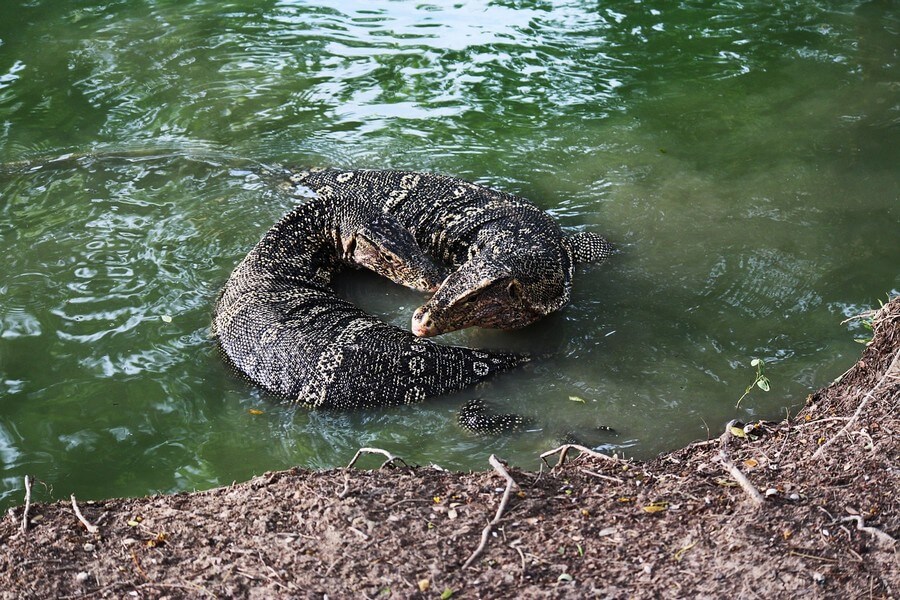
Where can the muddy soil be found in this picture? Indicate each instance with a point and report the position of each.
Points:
(808, 507)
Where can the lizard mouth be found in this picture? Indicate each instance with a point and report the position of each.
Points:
(422, 323)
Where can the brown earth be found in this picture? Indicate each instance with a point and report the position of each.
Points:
(815, 516)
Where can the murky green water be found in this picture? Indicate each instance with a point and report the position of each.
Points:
(742, 155)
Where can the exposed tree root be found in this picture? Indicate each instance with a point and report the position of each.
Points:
(391, 459)
(27, 503)
(732, 469)
(876, 533)
(564, 450)
(85, 522)
(510, 485)
(892, 372)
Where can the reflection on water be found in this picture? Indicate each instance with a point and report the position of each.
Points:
(742, 157)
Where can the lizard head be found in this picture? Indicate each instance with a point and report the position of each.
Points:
(500, 290)
(387, 248)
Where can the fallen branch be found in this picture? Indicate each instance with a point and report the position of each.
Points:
(732, 469)
(893, 366)
(510, 484)
(85, 522)
(27, 503)
(564, 450)
(876, 533)
(391, 459)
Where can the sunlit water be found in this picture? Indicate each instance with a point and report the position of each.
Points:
(742, 156)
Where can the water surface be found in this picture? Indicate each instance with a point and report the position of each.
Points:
(743, 156)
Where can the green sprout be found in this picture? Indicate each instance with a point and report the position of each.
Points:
(761, 381)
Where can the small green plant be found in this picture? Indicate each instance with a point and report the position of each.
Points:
(867, 320)
(761, 381)
(866, 340)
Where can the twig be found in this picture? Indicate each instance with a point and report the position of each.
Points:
(27, 503)
(333, 564)
(405, 500)
(601, 476)
(85, 522)
(510, 484)
(343, 493)
(245, 574)
(391, 459)
(735, 473)
(564, 449)
(787, 434)
(705, 424)
(877, 533)
(812, 556)
(864, 315)
(515, 546)
(817, 421)
(869, 395)
(275, 577)
(137, 564)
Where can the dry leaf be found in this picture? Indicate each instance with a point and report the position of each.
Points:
(655, 507)
(681, 551)
(737, 431)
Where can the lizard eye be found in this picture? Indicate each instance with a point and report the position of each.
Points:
(470, 300)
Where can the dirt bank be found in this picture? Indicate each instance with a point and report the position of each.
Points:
(808, 507)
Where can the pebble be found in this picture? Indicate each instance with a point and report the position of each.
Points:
(88, 547)
(81, 577)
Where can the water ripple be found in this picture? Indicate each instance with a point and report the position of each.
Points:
(741, 155)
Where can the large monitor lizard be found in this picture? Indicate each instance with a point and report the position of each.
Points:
(281, 324)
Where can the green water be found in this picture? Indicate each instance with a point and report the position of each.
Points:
(743, 156)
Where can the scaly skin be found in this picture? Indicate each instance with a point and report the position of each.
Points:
(510, 263)
(515, 275)
(280, 323)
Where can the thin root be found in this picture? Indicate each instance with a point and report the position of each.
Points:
(564, 450)
(735, 473)
(391, 459)
(27, 503)
(890, 372)
(85, 522)
(510, 485)
(876, 533)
